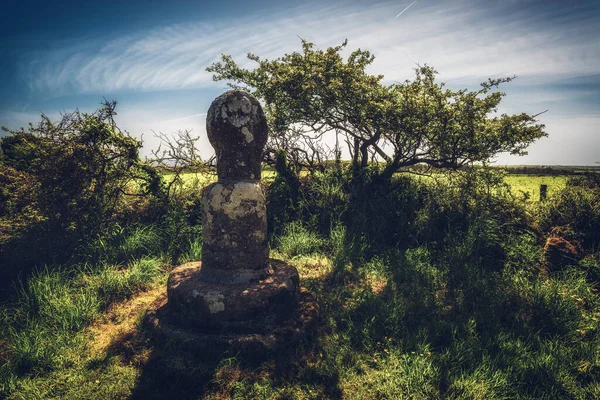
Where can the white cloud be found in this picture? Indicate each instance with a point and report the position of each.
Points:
(458, 38)
(143, 124)
(571, 141)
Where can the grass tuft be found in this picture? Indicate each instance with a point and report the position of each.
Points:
(297, 240)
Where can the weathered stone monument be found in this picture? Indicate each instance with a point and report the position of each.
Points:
(236, 298)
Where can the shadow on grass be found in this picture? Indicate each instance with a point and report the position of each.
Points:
(170, 370)
(457, 331)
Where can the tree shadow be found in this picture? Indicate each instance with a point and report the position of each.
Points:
(172, 370)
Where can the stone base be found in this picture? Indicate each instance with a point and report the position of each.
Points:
(253, 318)
(239, 307)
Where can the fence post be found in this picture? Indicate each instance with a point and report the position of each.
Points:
(543, 192)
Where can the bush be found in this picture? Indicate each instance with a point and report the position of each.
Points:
(577, 208)
(383, 214)
(63, 185)
(282, 196)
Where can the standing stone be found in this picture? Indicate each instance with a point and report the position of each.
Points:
(237, 298)
(234, 209)
(236, 280)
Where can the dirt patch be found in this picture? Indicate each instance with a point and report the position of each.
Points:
(117, 330)
(558, 252)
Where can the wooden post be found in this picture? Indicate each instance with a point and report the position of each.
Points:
(543, 192)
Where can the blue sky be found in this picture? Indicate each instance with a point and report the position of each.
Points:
(150, 56)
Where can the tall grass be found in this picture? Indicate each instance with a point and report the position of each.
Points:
(297, 240)
(459, 309)
(194, 252)
(427, 290)
(53, 306)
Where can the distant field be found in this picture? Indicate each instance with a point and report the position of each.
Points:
(520, 184)
(530, 184)
(202, 179)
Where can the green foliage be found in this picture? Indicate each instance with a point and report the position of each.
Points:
(318, 202)
(120, 244)
(325, 199)
(458, 309)
(282, 196)
(45, 325)
(578, 208)
(384, 215)
(297, 240)
(64, 184)
(312, 92)
(113, 282)
(49, 296)
(195, 251)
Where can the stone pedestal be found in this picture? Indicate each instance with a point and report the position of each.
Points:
(245, 306)
(237, 298)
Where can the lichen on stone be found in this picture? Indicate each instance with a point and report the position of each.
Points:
(239, 201)
(247, 134)
(214, 301)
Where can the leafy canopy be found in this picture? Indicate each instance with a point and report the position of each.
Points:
(309, 93)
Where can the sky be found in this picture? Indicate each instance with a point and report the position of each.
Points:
(150, 56)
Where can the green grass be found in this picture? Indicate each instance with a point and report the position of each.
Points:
(400, 325)
(434, 320)
(528, 186)
(192, 179)
(201, 179)
(46, 326)
(297, 240)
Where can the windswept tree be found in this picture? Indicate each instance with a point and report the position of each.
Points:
(309, 93)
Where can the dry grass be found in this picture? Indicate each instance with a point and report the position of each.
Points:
(118, 327)
(316, 266)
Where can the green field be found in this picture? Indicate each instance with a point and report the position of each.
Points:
(521, 185)
(529, 185)
(199, 179)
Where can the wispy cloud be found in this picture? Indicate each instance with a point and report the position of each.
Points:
(463, 40)
(552, 47)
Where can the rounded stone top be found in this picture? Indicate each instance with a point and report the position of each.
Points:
(237, 130)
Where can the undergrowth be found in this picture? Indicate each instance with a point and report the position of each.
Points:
(426, 291)
(44, 327)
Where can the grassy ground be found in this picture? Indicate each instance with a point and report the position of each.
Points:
(431, 321)
(396, 326)
(529, 185)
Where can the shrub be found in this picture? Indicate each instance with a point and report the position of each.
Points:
(578, 208)
(383, 213)
(325, 199)
(64, 184)
(282, 196)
